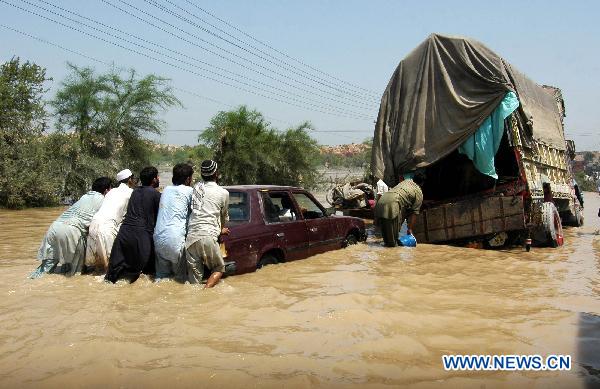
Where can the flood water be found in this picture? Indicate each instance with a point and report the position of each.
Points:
(365, 316)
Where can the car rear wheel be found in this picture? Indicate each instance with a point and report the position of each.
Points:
(267, 259)
(350, 240)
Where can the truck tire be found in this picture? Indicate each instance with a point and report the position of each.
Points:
(578, 217)
(552, 226)
(574, 219)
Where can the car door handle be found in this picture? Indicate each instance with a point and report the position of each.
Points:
(280, 235)
(314, 229)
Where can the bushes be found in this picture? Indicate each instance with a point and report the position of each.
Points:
(101, 120)
(26, 177)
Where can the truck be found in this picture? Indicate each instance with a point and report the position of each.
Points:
(490, 141)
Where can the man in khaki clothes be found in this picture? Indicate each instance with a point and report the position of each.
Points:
(402, 201)
(206, 224)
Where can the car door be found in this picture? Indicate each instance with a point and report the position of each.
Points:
(242, 242)
(322, 234)
(287, 229)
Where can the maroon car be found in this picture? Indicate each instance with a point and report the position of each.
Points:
(272, 224)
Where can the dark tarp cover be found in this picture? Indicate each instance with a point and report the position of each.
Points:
(441, 93)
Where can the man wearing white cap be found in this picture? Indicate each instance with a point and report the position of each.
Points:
(206, 224)
(106, 223)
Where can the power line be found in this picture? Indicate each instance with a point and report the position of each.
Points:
(112, 64)
(243, 42)
(324, 132)
(298, 73)
(346, 131)
(229, 105)
(176, 52)
(180, 67)
(274, 49)
(229, 59)
(55, 44)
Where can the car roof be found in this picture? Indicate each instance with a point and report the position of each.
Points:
(260, 187)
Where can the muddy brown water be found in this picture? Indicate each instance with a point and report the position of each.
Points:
(365, 316)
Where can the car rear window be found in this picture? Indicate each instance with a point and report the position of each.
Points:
(239, 209)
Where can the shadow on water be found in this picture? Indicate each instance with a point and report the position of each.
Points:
(588, 346)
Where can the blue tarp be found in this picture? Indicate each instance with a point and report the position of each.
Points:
(482, 146)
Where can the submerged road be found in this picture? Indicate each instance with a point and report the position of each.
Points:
(365, 316)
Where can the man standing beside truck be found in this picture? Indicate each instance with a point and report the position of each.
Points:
(402, 201)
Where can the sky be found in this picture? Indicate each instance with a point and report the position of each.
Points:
(327, 62)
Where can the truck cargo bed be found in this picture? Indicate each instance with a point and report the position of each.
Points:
(469, 218)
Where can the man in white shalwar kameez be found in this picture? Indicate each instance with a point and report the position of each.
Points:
(106, 223)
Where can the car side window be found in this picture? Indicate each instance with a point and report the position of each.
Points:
(239, 208)
(308, 207)
(278, 207)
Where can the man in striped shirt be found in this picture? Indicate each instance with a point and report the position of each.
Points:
(206, 224)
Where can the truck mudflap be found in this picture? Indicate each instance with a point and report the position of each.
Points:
(473, 217)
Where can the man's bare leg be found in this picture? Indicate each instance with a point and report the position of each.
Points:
(213, 279)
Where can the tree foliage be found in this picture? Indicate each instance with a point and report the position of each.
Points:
(250, 151)
(25, 166)
(585, 183)
(22, 111)
(169, 156)
(102, 120)
(110, 114)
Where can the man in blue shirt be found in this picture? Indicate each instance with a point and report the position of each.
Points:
(170, 230)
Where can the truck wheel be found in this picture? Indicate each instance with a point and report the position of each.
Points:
(267, 259)
(552, 225)
(574, 219)
(350, 239)
(578, 217)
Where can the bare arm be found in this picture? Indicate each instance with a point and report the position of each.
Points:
(225, 211)
(410, 222)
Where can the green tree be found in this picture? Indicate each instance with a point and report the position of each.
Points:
(249, 151)
(585, 183)
(110, 114)
(25, 167)
(300, 157)
(197, 154)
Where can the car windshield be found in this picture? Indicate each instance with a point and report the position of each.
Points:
(239, 209)
(309, 208)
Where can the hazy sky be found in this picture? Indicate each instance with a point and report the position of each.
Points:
(352, 48)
